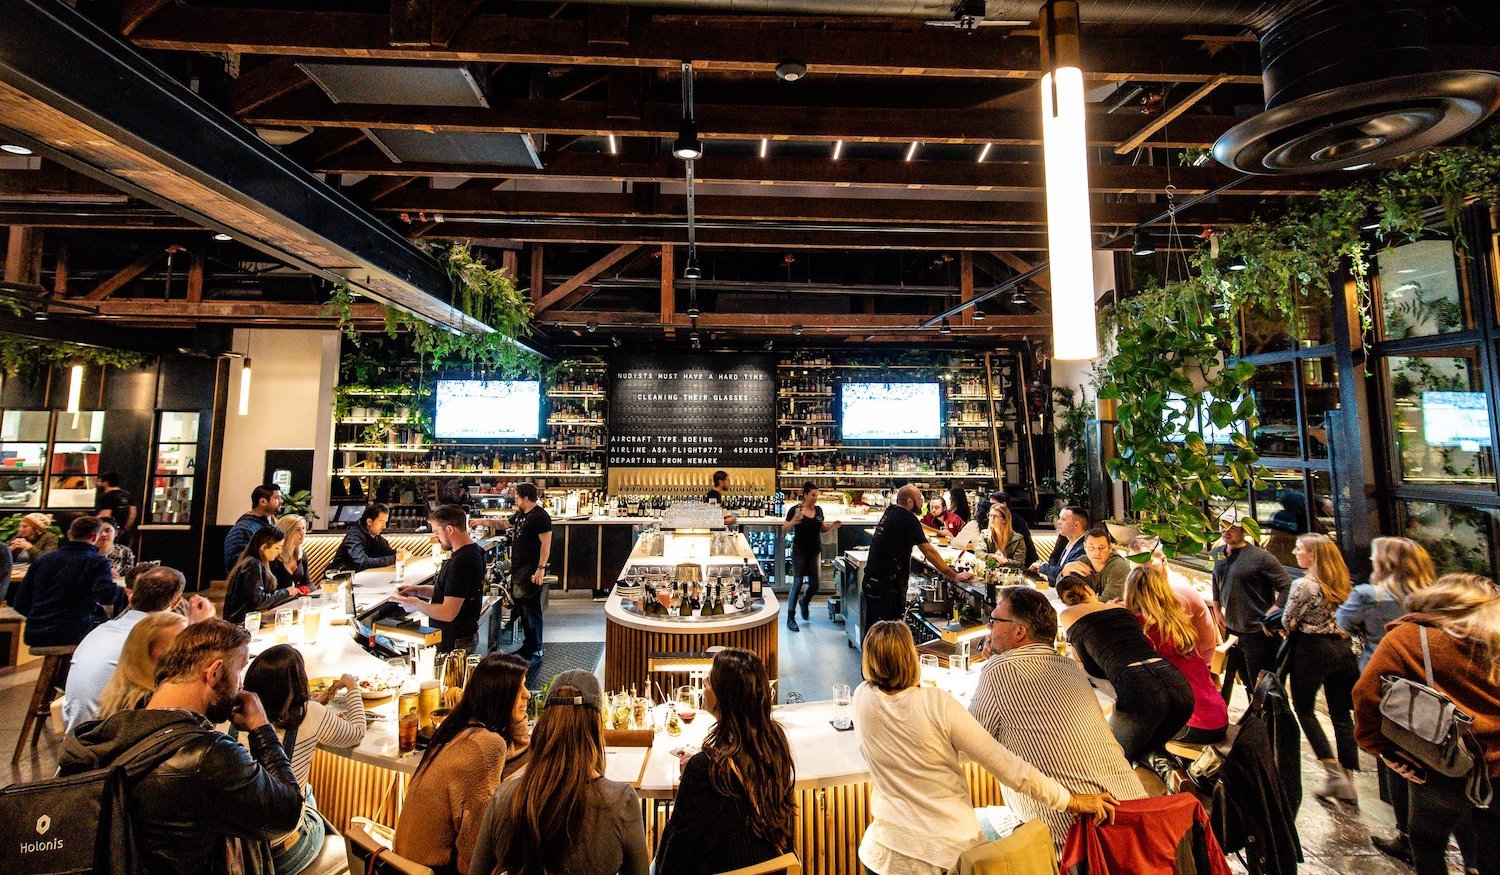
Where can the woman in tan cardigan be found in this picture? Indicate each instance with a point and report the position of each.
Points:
(479, 744)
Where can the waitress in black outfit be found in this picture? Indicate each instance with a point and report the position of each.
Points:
(1153, 700)
(806, 519)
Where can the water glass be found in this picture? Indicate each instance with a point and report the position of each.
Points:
(929, 662)
(841, 695)
(252, 622)
(283, 625)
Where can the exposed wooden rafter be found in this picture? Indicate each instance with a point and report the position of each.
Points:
(829, 49)
(576, 288)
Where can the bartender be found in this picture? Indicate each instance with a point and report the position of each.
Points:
(715, 495)
(889, 565)
(365, 546)
(454, 598)
(530, 550)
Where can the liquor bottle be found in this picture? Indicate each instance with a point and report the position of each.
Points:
(676, 602)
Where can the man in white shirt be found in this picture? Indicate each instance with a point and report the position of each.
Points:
(159, 589)
(1040, 705)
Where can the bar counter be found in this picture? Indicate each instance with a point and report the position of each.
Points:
(632, 641)
(833, 782)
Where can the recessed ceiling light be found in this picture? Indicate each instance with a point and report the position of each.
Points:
(765, 146)
(222, 237)
(912, 151)
(838, 149)
(985, 152)
(13, 149)
(614, 145)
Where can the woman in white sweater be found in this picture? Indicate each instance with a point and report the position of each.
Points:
(915, 741)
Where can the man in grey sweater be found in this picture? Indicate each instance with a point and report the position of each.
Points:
(1249, 583)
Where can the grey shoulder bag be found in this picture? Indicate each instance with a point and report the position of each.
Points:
(1425, 723)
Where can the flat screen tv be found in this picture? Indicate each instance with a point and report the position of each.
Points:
(476, 410)
(1455, 419)
(896, 412)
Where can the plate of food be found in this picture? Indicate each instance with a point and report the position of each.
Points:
(318, 686)
(374, 688)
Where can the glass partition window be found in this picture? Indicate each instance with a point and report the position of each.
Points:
(1276, 399)
(1459, 538)
(176, 464)
(1419, 290)
(76, 439)
(1320, 394)
(1440, 419)
(23, 457)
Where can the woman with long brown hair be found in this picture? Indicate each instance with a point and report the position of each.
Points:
(735, 806)
(470, 752)
(1164, 619)
(1323, 659)
(1458, 620)
(562, 816)
(1000, 538)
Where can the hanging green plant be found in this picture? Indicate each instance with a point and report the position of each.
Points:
(1172, 389)
(31, 355)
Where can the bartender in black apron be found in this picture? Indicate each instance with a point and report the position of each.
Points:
(454, 598)
(889, 565)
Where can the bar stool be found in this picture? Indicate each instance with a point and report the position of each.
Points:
(368, 855)
(53, 660)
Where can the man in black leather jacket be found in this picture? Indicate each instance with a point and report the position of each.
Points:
(211, 806)
(364, 547)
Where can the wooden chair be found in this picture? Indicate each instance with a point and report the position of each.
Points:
(369, 857)
(787, 863)
(53, 660)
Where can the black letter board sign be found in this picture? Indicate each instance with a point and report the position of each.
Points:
(692, 410)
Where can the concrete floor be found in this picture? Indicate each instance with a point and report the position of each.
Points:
(1335, 838)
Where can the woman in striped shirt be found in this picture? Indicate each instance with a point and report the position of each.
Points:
(335, 719)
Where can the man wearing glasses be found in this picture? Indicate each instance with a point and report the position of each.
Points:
(1040, 705)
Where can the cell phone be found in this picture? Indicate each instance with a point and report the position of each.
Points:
(842, 725)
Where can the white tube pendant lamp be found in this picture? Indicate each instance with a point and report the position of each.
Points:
(1070, 248)
(75, 386)
(245, 387)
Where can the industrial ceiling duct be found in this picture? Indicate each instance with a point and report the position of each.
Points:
(1349, 83)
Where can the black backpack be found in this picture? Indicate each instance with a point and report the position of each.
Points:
(80, 823)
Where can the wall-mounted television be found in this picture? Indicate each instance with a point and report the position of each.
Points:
(477, 410)
(896, 412)
(1456, 419)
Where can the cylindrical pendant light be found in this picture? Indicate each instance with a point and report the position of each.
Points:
(75, 386)
(245, 387)
(1070, 248)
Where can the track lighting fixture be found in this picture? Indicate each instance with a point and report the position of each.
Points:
(945, 328)
(615, 341)
(1139, 246)
(687, 147)
(692, 270)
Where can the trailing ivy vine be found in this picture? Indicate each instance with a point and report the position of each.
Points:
(30, 355)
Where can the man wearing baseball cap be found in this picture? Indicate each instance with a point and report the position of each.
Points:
(1249, 583)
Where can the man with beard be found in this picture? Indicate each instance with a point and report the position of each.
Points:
(200, 802)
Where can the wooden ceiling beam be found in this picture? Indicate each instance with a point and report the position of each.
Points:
(787, 323)
(575, 288)
(455, 205)
(260, 85)
(125, 275)
(848, 172)
(260, 312)
(850, 124)
(748, 236)
(714, 47)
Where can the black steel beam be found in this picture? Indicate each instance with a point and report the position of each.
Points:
(53, 59)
